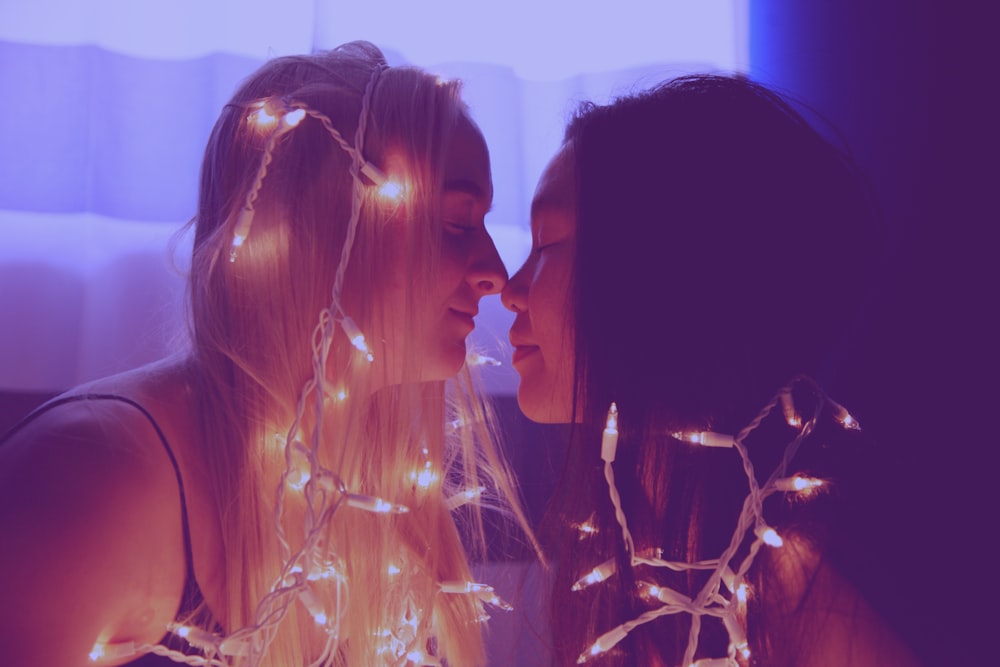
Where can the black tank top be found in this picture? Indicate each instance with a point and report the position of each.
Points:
(192, 598)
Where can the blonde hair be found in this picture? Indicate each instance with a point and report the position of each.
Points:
(254, 328)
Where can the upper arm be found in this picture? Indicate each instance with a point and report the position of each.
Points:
(83, 559)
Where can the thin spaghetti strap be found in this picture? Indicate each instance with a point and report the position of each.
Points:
(188, 552)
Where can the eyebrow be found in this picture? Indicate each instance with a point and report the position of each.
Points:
(468, 187)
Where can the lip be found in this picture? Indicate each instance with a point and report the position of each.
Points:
(521, 352)
(467, 317)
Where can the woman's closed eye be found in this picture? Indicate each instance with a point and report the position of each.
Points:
(461, 225)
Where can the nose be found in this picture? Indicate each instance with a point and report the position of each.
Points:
(487, 274)
(515, 295)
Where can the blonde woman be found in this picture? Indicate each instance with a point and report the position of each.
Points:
(286, 492)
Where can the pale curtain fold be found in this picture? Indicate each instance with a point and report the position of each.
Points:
(108, 105)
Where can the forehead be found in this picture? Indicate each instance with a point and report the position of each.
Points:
(556, 190)
(467, 162)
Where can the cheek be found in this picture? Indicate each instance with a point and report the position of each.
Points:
(550, 303)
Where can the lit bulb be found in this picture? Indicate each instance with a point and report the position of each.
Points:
(373, 504)
(465, 587)
(393, 569)
(844, 417)
(597, 575)
(293, 118)
(390, 190)
(769, 536)
(800, 484)
(464, 497)
(324, 571)
(706, 438)
(261, 117)
(741, 593)
(312, 604)
(355, 336)
(196, 637)
(102, 651)
(476, 359)
(788, 408)
(298, 473)
(609, 441)
(492, 598)
(243, 223)
(298, 479)
(424, 478)
(604, 643)
(416, 656)
(803, 483)
(850, 423)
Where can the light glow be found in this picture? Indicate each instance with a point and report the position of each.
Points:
(609, 440)
(390, 190)
(373, 504)
(262, 118)
(770, 537)
(464, 497)
(477, 359)
(97, 652)
(424, 478)
(706, 438)
(597, 575)
(465, 587)
(751, 516)
(293, 118)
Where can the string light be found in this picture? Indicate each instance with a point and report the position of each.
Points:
(769, 536)
(792, 418)
(424, 478)
(609, 440)
(390, 190)
(477, 359)
(798, 483)
(373, 504)
(709, 600)
(310, 574)
(103, 652)
(706, 438)
(356, 337)
(597, 575)
(464, 587)
(464, 497)
(586, 528)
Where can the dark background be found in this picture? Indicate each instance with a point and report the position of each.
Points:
(912, 88)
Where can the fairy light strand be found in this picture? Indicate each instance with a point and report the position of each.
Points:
(724, 594)
(309, 565)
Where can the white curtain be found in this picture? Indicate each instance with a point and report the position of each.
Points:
(108, 104)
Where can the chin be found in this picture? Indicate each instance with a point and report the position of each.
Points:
(539, 407)
(444, 365)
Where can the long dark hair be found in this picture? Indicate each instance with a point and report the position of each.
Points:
(723, 247)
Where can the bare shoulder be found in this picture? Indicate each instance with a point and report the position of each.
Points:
(837, 626)
(92, 538)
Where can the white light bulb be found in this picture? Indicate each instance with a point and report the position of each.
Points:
(609, 441)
